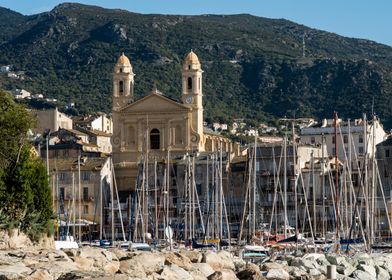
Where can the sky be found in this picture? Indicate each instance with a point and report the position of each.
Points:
(353, 18)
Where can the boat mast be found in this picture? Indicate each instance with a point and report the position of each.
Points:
(80, 200)
(285, 184)
(335, 115)
(254, 186)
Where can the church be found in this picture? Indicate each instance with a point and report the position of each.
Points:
(156, 126)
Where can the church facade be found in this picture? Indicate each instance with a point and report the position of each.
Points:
(156, 127)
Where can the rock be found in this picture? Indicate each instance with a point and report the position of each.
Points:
(277, 274)
(251, 271)
(204, 268)
(219, 261)
(40, 275)
(197, 274)
(345, 269)
(363, 275)
(271, 265)
(314, 272)
(193, 255)
(174, 272)
(84, 264)
(120, 254)
(57, 268)
(151, 262)
(178, 259)
(382, 274)
(112, 267)
(335, 259)
(224, 274)
(18, 240)
(296, 272)
(388, 266)
(239, 263)
(14, 271)
(369, 269)
(132, 268)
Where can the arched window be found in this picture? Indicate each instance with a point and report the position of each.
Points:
(121, 86)
(189, 83)
(155, 139)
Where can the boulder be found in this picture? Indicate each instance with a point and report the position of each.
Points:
(271, 265)
(204, 268)
(382, 274)
(251, 271)
(14, 271)
(84, 264)
(296, 272)
(345, 269)
(277, 274)
(151, 262)
(239, 263)
(369, 269)
(178, 259)
(193, 255)
(18, 240)
(197, 275)
(224, 274)
(120, 254)
(40, 275)
(132, 268)
(219, 261)
(174, 272)
(363, 275)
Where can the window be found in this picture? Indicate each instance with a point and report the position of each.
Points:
(333, 151)
(65, 153)
(155, 139)
(387, 153)
(333, 139)
(86, 176)
(62, 176)
(62, 193)
(189, 83)
(386, 173)
(360, 150)
(360, 139)
(85, 193)
(85, 209)
(345, 139)
(312, 140)
(121, 70)
(121, 86)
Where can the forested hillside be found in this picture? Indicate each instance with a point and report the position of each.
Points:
(253, 66)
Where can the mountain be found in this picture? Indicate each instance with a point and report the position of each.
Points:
(253, 66)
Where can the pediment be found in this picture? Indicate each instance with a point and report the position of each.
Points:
(154, 103)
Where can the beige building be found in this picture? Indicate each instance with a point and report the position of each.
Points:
(51, 119)
(355, 138)
(96, 122)
(156, 125)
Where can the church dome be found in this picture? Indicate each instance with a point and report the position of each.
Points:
(191, 59)
(123, 60)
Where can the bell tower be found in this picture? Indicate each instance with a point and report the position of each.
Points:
(192, 89)
(123, 83)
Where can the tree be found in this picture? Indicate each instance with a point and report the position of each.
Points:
(25, 196)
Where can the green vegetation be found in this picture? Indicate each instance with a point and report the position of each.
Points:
(253, 67)
(25, 196)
